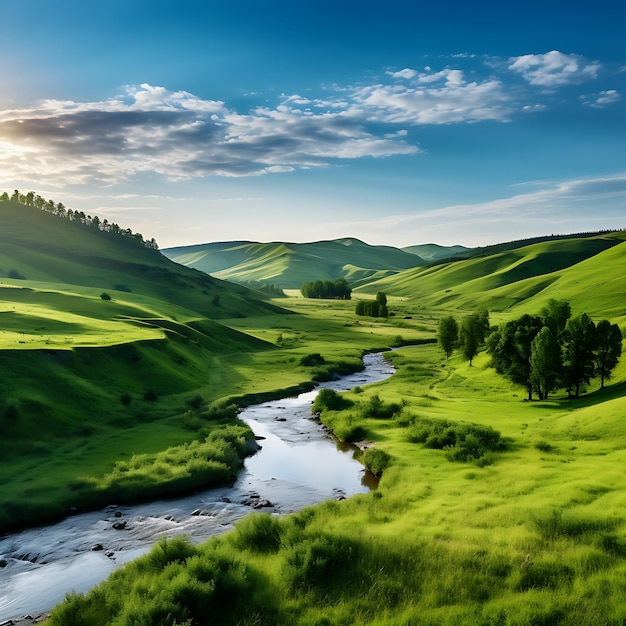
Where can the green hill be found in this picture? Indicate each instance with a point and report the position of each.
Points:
(102, 341)
(288, 265)
(434, 252)
(587, 271)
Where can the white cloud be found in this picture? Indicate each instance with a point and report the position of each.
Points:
(149, 129)
(602, 99)
(562, 207)
(405, 73)
(447, 98)
(554, 68)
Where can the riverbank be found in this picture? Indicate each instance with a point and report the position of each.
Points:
(27, 620)
(297, 465)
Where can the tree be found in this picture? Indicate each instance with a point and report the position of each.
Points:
(608, 349)
(510, 349)
(579, 353)
(555, 315)
(545, 362)
(326, 289)
(381, 300)
(447, 334)
(471, 336)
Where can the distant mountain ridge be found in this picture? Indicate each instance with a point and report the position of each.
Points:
(288, 265)
(434, 252)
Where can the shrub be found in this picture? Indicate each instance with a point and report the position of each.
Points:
(259, 532)
(195, 402)
(16, 274)
(462, 442)
(105, 296)
(150, 396)
(124, 288)
(376, 461)
(378, 409)
(311, 360)
(126, 399)
(221, 411)
(329, 400)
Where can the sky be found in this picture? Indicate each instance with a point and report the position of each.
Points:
(396, 122)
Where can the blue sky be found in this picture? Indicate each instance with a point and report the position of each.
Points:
(398, 123)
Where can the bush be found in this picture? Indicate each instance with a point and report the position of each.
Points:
(126, 399)
(16, 274)
(124, 288)
(105, 296)
(376, 461)
(329, 400)
(150, 396)
(259, 532)
(462, 442)
(378, 409)
(195, 402)
(311, 360)
(221, 411)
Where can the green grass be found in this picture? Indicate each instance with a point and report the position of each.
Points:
(515, 517)
(535, 536)
(523, 278)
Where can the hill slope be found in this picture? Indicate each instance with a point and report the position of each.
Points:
(434, 252)
(587, 271)
(288, 265)
(102, 340)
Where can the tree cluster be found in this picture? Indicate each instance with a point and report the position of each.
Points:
(540, 352)
(34, 200)
(327, 289)
(373, 308)
(552, 350)
(468, 337)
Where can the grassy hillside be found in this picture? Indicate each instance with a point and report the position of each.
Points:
(87, 380)
(431, 252)
(288, 265)
(585, 271)
(528, 531)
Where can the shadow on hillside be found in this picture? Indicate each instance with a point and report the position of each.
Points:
(610, 392)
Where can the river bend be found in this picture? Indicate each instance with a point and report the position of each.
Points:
(298, 465)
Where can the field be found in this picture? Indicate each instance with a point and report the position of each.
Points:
(530, 533)
(121, 377)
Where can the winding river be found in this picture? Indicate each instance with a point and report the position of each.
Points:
(298, 465)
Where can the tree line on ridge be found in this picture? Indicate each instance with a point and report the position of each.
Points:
(32, 199)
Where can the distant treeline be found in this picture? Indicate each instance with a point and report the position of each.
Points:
(32, 199)
(520, 243)
(327, 289)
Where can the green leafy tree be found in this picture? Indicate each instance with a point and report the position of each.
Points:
(447, 334)
(510, 349)
(555, 315)
(471, 336)
(545, 362)
(608, 349)
(326, 289)
(579, 353)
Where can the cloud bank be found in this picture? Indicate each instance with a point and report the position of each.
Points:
(177, 135)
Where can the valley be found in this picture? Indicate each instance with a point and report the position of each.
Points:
(528, 530)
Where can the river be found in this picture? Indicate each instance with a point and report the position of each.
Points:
(298, 464)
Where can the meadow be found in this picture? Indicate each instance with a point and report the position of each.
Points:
(490, 510)
(530, 531)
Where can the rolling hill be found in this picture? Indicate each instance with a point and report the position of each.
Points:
(432, 252)
(587, 271)
(102, 340)
(288, 265)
